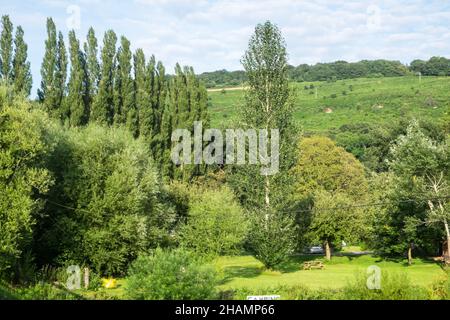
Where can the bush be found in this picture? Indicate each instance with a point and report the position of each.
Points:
(171, 275)
(6, 293)
(45, 291)
(216, 224)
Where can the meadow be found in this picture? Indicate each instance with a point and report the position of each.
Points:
(247, 272)
(364, 100)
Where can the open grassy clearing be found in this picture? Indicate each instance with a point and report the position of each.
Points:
(246, 271)
(375, 100)
(239, 272)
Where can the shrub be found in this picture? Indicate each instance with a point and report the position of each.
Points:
(45, 291)
(216, 224)
(173, 275)
(6, 293)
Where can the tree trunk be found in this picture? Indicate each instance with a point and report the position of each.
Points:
(86, 278)
(410, 254)
(327, 250)
(448, 242)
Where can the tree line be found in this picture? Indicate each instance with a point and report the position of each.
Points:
(339, 70)
(14, 66)
(110, 85)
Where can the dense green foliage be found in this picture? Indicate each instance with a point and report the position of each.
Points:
(344, 70)
(186, 103)
(414, 158)
(223, 78)
(272, 237)
(216, 224)
(329, 181)
(436, 66)
(104, 208)
(174, 275)
(25, 143)
(323, 166)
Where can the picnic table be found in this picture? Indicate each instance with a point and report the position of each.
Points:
(308, 265)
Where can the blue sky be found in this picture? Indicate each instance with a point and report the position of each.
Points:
(211, 35)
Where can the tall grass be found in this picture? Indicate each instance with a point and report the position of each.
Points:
(394, 286)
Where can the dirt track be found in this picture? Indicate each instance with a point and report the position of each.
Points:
(226, 89)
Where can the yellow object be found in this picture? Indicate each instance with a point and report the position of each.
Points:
(109, 283)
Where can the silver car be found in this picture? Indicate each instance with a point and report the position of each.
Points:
(316, 250)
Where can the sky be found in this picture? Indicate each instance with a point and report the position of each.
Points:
(213, 34)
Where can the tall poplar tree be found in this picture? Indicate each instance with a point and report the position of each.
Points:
(76, 98)
(268, 105)
(61, 76)
(124, 95)
(143, 89)
(47, 93)
(102, 109)
(6, 48)
(92, 65)
(53, 72)
(161, 119)
(159, 92)
(21, 73)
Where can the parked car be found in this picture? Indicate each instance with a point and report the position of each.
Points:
(316, 250)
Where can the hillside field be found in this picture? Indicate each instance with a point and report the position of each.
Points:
(369, 100)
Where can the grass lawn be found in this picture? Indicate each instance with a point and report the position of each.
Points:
(246, 271)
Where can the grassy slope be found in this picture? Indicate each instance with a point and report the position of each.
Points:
(399, 97)
(246, 271)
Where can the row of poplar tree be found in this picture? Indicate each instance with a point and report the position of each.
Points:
(14, 67)
(111, 86)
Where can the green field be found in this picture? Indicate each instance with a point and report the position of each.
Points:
(246, 271)
(374, 100)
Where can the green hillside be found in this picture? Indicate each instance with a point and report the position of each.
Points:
(370, 100)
